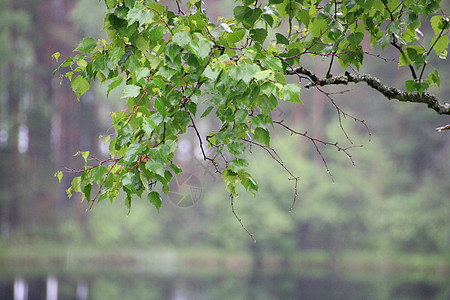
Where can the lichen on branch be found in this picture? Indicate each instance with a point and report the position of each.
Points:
(387, 91)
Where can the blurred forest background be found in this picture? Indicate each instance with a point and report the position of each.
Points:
(394, 203)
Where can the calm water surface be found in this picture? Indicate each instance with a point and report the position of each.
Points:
(127, 283)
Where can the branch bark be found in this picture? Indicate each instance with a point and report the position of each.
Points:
(446, 127)
(388, 91)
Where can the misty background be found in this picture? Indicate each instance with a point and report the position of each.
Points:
(381, 231)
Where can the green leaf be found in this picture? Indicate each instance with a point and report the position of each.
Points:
(157, 118)
(268, 19)
(160, 107)
(291, 93)
(413, 86)
(56, 56)
(137, 182)
(262, 74)
(110, 180)
(132, 63)
(141, 73)
(82, 63)
(409, 85)
(131, 156)
(182, 38)
(100, 65)
(211, 74)
(200, 46)
(246, 15)
(440, 46)
(128, 198)
(318, 27)
(240, 115)
(103, 195)
(395, 27)
(76, 182)
(236, 36)
(85, 155)
(139, 14)
(230, 179)
(246, 72)
(162, 151)
(303, 16)
(384, 40)
(155, 199)
(159, 83)
(258, 34)
(129, 3)
(238, 165)
(267, 103)
(156, 31)
(281, 39)
(110, 4)
(411, 19)
(157, 166)
(127, 179)
(68, 62)
(236, 148)
(175, 168)
(98, 174)
(87, 191)
(262, 135)
(167, 72)
(207, 111)
(115, 55)
(248, 182)
(148, 125)
(80, 86)
(273, 63)
(433, 78)
(172, 50)
(259, 121)
(438, 23)
(131, 91)
(69, 191)
(114, 84)
(404, 60)
(181, 120)
(87, 45)
(413, 55)
(355, 38)
(59, 174)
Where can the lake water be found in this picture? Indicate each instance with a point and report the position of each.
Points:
(130, 283)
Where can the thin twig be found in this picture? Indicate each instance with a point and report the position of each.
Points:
(432, 46)
(205, 157)
(313, 79)
(295, 192)
(252, 236)
(278, 159)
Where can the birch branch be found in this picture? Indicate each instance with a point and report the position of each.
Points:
(375, 83)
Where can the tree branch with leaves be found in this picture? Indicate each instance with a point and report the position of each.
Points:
(174, 64)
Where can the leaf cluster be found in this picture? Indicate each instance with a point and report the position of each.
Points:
(175, 64)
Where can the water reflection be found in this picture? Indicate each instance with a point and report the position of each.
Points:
(225, 284)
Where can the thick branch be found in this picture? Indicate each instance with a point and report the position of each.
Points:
(375, 83)
(446, 127)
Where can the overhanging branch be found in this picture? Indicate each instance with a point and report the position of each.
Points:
(446, 127)
(375, 83)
